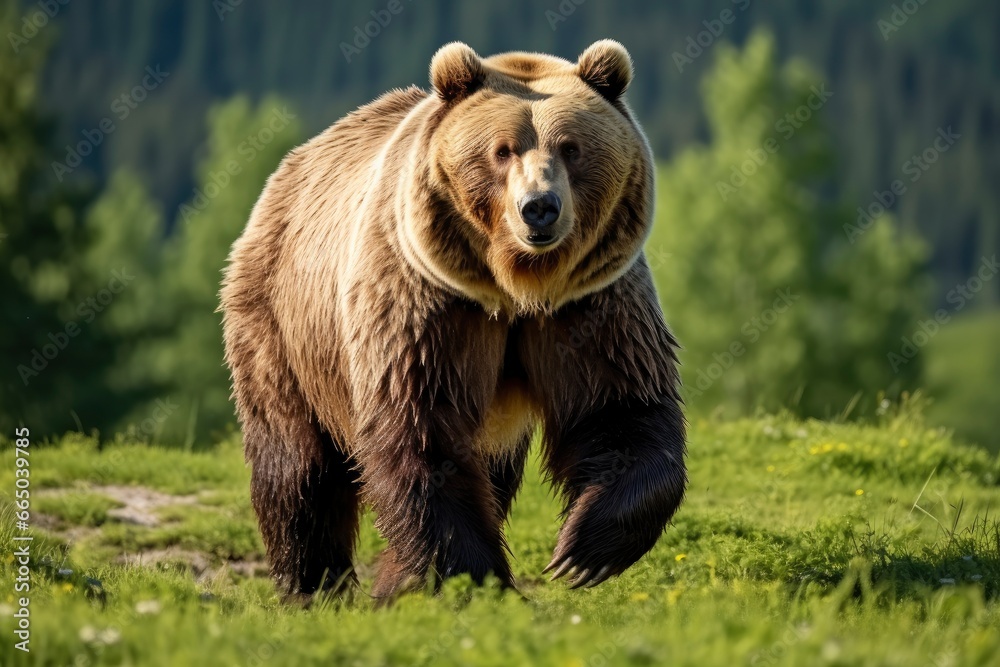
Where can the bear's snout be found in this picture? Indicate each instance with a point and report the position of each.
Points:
(540, 210)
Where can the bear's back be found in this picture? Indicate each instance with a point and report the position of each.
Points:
(340, 159)
(309, 193)
(324, 189)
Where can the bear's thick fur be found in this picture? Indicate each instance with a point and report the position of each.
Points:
(423, 284)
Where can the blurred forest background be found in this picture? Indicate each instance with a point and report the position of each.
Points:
(828, 209)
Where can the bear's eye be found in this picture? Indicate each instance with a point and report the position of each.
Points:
(503, 152)
(571, 151)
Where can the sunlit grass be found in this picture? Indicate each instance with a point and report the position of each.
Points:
(799, 543)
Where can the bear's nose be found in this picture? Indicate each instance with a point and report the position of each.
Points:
(540, 210)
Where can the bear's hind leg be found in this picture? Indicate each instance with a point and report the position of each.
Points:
(305, 492)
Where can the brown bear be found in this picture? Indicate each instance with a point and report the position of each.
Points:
(426, 282)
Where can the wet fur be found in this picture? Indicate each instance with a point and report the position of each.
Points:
(390, 343)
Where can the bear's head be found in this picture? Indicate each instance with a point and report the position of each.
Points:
(533, 182)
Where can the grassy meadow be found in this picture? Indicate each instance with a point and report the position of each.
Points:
(800, 543)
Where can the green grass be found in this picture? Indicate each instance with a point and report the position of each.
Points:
(77, 508)
(800, 543)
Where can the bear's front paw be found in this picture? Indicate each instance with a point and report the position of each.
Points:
(598, 542)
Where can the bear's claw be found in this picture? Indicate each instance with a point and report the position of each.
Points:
(580, 578)
(585, 577)
(564, 567)
(585, 580)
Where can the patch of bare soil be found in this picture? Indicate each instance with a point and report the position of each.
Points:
(139, 504)
(201, 566)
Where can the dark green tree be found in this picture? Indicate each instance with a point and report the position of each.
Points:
(125, 232)
(775, 307)
(178, 357)
(49, 349)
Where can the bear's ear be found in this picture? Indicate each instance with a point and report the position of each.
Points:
(456, 71)
(606, 67)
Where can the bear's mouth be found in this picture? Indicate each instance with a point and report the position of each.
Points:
(541, 239)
